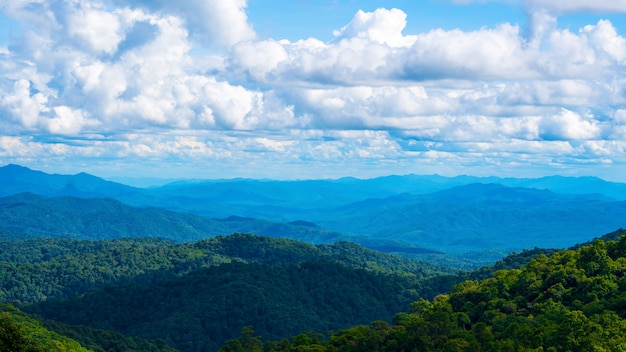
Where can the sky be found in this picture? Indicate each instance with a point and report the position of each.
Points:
(311, 89)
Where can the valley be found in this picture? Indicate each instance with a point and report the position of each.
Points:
(205, 266)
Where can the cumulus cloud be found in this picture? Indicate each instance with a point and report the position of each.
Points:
(210, 22)
(568, 125)
(125, 68)
(68, 121)
(372, 49)
(124, 80)
(25, 107)
(482, 54)
(382, 26)
(99, 29)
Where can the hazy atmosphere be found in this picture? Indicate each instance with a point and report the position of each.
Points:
(314, 89)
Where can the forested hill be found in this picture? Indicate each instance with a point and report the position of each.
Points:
(21, 333)
(39, 270)
(202, 309)
(28, 215)
(574, 300)
(197, 295)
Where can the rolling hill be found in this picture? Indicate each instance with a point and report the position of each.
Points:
(405, 214)
(479, 216)
(28, 215)
(573, 300)
(196, 295)
(99, 261)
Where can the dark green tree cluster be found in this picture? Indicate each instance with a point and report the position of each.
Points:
(267, 250)
(98, 340)
(574, 300)
(39, 270)
(197, 295)
(432, 286)
(201, 310)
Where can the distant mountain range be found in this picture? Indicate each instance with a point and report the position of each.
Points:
(100, 261)
(31, 216)
(405, 213)
(18, 179)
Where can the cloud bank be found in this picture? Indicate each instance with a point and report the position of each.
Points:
(133, 85)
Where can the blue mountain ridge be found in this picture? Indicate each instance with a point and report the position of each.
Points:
(448, 214)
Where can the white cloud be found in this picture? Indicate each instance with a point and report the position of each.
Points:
(579, 5)
(69, 121)
(124, 68)
(620, 116)
(11, 146)
(274, 145)
(210, 22)
(360, 56)
(382, 26)
(23, 106)
(259, 58)
(483, 54)
(606, 42)
(98, 28)
(540, 24)
(565, 92)
(371, 95)
(568, 125)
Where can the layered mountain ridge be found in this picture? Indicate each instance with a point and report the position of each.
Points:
(442, 214)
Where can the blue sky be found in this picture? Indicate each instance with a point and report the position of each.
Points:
(314, 88)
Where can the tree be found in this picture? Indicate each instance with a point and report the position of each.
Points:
(14, 338)
(246, 342)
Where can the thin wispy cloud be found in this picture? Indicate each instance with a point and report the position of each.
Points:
(190, 89)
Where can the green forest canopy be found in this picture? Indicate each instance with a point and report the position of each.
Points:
(574, 300)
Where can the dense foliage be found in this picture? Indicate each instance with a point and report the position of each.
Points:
(197, 295)
(36, 216)
(39, 270)
(20, 333)
(199, 311)
(574, 300)
(98, 340)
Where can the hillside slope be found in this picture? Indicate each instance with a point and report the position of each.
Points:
(19, 332)
(574, 300)
(28, 215)
(201, 310)
(198, 295)
(39, 270)
(476, 217)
